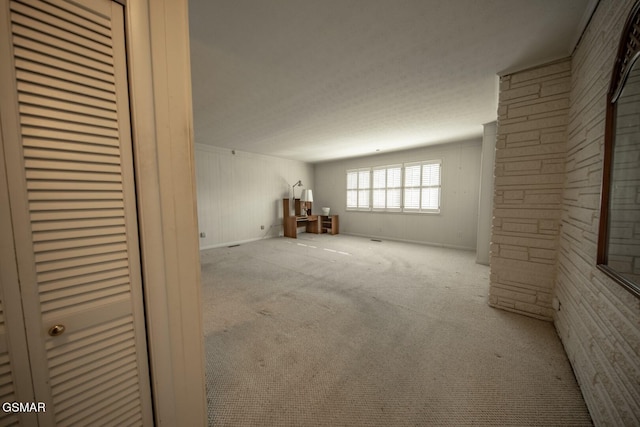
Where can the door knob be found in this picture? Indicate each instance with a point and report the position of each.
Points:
(56, 330)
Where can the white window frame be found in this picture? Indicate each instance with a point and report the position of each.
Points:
(366, 186)
(386, 190)
(362, 189)
(422, 185)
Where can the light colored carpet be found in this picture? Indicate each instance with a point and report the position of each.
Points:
(343, 331)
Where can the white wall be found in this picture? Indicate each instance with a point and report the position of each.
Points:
(485, 205)
(455, 226)
(238, 193)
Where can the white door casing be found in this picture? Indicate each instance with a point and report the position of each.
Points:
(67, 145)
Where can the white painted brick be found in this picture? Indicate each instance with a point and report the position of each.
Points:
(543, 73)
(590, 201)
(588, 152)
(526, 180)
(500, 213)
(514, 195)
(555, 87)
(599, 322)
(553, 137)
(542, 253)
(514, 295)
(552, 167)
(543, 199)
(559, 120)
(504, 83)
(538, 108)
(530, 168)
(539, 242)
(533, 135)
(548, 225)
(520, 227)
(521, 255)
(523, 165)
(535, 309)
(526, 91)
(546, 149)
(515, 279)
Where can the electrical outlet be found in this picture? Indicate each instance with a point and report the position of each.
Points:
(262, 227)
(203, 234)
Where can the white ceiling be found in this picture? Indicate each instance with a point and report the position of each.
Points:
(317, 80)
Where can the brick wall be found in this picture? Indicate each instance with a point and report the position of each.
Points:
(598, 320)
(529, 179)
(546, 211)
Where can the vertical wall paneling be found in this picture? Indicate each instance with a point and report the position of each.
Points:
(238, 193)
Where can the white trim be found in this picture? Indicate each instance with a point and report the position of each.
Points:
(160, 86)
(418, 242)
(237, 242)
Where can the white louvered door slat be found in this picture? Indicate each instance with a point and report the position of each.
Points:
(15, 371)
(7, 387)
(74, 214)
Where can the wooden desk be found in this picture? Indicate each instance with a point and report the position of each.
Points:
(310, 222)
(313, 223)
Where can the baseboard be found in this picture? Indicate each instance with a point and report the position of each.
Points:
(237, 242)
(419, 242)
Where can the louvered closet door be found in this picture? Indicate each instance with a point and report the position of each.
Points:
(73, 211)
(15, 373)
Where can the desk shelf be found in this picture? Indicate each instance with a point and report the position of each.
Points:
(329, 224)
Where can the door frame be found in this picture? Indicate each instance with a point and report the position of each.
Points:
(157, 37)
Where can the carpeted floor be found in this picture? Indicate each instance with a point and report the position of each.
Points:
(343, 331)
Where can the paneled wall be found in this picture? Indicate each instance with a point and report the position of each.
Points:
(598, 321)
(456, 224)
(239, 193)
(529, 177)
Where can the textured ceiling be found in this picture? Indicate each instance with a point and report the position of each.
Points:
(316, 80)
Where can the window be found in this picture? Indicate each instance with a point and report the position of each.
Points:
(387, 188)
(422, 187)
(381, 188)
(358, 189)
